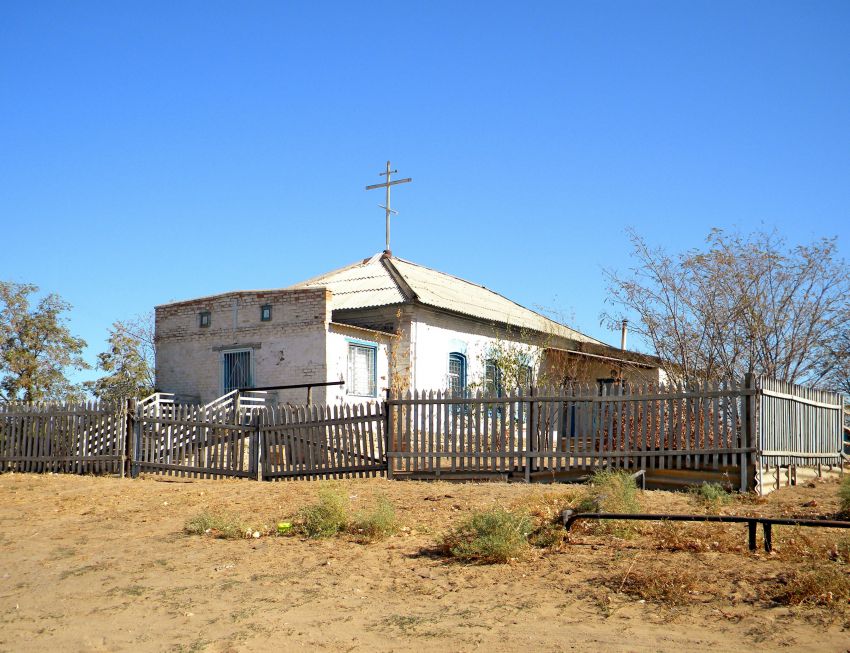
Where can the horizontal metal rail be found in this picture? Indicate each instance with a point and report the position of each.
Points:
(292, 386)
(569, 517)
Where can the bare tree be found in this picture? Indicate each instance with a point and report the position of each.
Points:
(838, 376)
(744, 303)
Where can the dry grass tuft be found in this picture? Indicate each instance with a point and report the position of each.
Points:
(821, 583)
(218, 524)
(376, 524)
(612, 491)
(711, 496)
(490, 536)
(326, 517)
(696, 537)
(657, 582)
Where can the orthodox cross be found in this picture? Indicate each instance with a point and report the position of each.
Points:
(386, 207)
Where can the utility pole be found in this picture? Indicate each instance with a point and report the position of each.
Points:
(386, 206)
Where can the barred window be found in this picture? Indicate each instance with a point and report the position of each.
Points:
(362, 379)
(457, 374)
(236, 370)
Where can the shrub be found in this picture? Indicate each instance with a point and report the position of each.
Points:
(844, 494)
(377, 524)
(611, 491)
(711, 494)
(325, 518)
(490, 536)
(616, 491)
(221, 525)
(549, 535)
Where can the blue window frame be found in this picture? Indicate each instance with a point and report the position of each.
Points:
(457, 374)
(362, 368)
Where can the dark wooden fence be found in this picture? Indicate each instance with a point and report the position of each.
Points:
(199, 441)
(78, 438)
(531, 435)
(323, 441)
(549, 432)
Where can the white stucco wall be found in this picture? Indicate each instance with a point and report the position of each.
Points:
(338, 341)
(436, 335)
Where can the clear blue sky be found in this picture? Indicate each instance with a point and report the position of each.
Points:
(154, 151)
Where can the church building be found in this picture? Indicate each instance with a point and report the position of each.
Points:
(381, 322)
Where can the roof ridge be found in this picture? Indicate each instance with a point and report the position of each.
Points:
(362, 262)
(398, 279)
(515, 303)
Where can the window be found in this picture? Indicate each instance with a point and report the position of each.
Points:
(266, 313)
(204, 319)
(362, 378)
(525, 377)
(237, 370)
(492, 379)
(457, 374)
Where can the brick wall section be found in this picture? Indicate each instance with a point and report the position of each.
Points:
(290, 348)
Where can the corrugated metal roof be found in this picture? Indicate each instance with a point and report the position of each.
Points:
(371, 283)
(360, 285)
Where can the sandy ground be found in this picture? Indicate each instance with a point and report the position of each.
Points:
(103, 564)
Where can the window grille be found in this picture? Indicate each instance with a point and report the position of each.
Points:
(362, 370)
(237, 370)
(457, 374)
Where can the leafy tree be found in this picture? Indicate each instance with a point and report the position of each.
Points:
(744, 303)
(36, 346)
(129, 362)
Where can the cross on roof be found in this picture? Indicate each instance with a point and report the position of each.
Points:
(386, 206)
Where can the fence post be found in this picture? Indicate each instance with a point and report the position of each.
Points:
(749, 436)
(129, 444)
(388, 439)
(137, 440)
(530, 433)
(257, 437)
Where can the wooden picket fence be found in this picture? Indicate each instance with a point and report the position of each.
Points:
(79, 438)
(799, 425)
(532, 434)
(199, 441)
(543, 432)
(323, 441)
